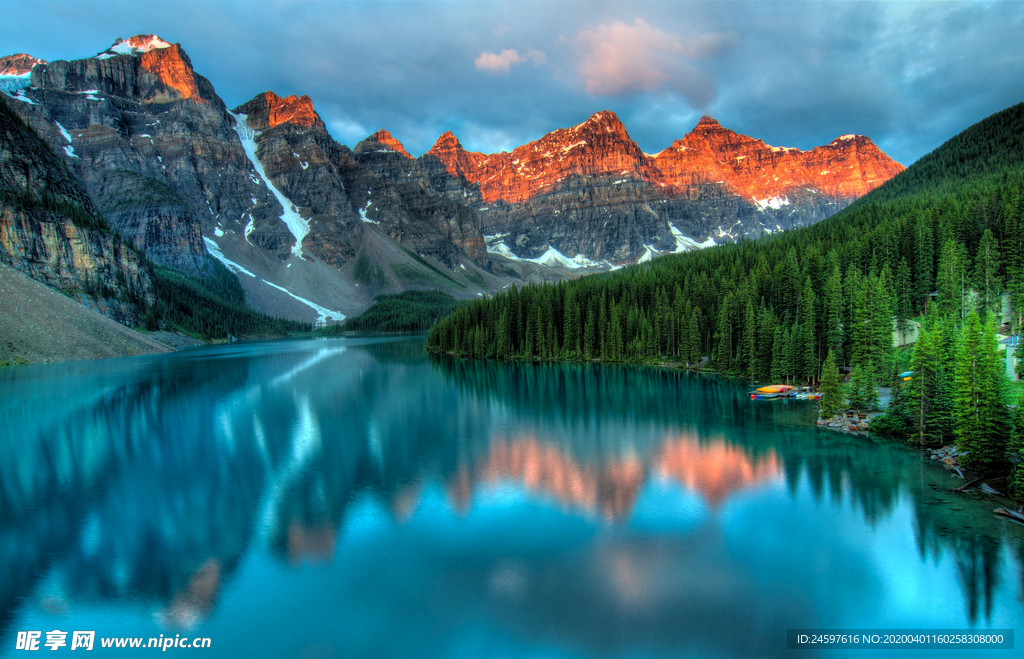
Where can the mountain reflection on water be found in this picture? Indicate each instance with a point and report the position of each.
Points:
(384, 504)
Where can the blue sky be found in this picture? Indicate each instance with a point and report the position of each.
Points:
(497, 74)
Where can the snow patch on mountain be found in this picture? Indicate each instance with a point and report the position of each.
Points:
(295, 223)
(133, 46)
(324, 313)
(685, 243)
(11, 84)
(215, 252)
(552, 257)
(68, 149)
(775, 202)
(362, 214)
(14, 86)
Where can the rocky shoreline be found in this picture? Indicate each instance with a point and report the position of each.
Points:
(859, 423)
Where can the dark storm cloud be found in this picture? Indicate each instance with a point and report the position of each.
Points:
(499, 74)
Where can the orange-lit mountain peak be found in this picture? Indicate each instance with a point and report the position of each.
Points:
(18, 64)
(604, 121)
(388, 141)
(457, 160)
(707, 123)
(297, 110)
(848, 167)
(140, 43)
(167, 61)
(600, 146)
(714, 470)
(269, 110)
(173, 68)
(446, 141)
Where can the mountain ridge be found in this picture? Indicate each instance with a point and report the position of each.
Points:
(302, 219)
(497, 173)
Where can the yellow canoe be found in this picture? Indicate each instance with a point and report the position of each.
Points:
(775, 389)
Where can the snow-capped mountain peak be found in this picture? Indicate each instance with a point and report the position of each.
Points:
(141, 43)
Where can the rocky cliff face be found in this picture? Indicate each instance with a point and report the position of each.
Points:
(153, 217)
(399, 197)
(590, 194)
(141, 108)
(342, 194)
(51, 230)
(300, 159)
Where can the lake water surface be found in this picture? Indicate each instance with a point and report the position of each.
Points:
(354, 498)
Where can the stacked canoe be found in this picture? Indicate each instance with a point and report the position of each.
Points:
(771, 391)
(783, 391)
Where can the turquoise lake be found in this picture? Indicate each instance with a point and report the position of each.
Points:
(356, 498)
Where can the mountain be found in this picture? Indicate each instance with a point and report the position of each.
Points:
(367, 213)
(591, 194)
(314, 230)
(183, 178)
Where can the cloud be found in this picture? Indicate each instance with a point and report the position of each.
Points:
(617, 58)
(907, 75)
(498, 64)
(501, 64)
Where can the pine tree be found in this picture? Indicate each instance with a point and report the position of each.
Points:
(880, 323)
(926, 364)
(986, 274)
(750, 341)
(831, 401)
(978, 407)
(695, 340)
(501, 341)
(590, 334)
(834, 311)
(952, 279)
(808, 335)
(861, 389)
(898, 421)
(924, 261)
(904, 300)
(723, 336)
(1015, 451)
(778, 372)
